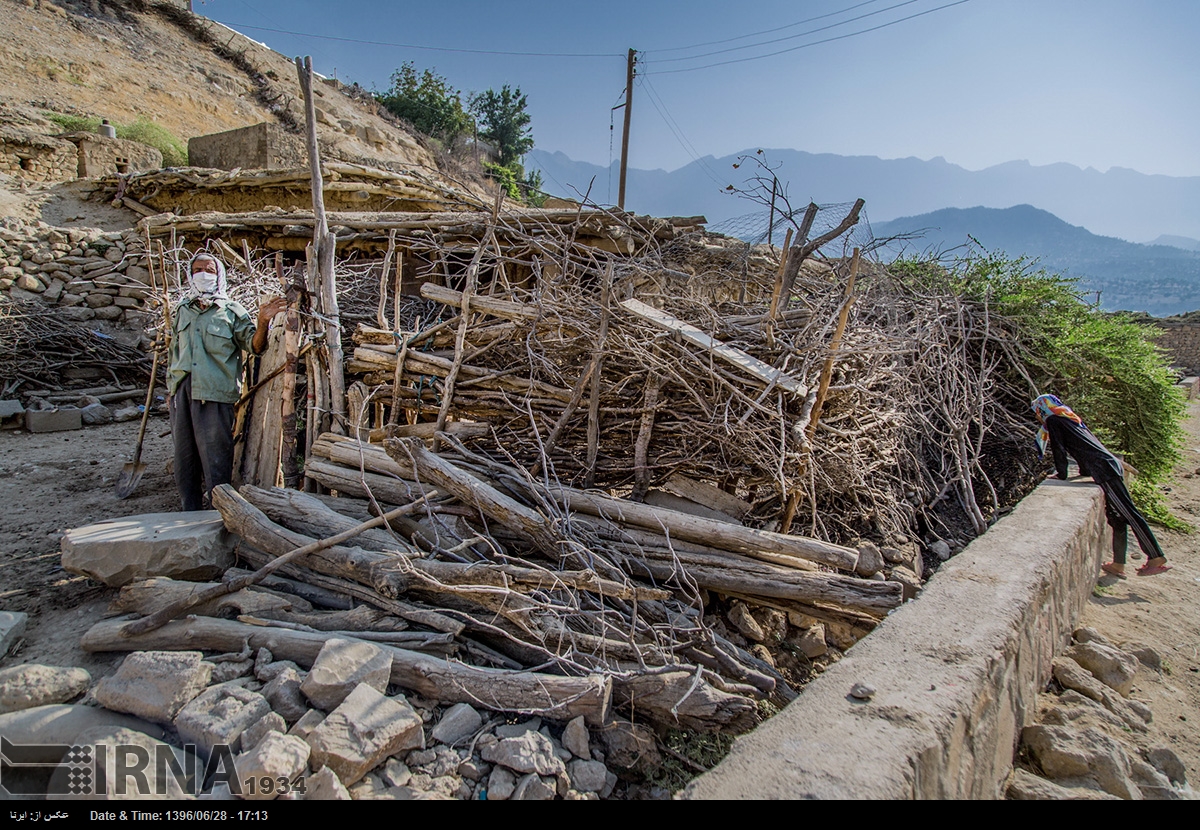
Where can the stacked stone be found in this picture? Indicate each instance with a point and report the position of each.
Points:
(87, 273)
(32, 157)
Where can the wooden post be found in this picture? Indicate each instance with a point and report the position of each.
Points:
(287, 410)
(324, 244)
(625, 128)
(834, 345)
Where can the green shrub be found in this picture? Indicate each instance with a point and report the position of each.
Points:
(1106, 367)
(506, 176)
(143, 131)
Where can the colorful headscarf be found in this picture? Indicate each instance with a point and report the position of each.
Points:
(221, 292)
(1044, 406)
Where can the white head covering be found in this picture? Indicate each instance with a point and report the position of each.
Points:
(220, 292)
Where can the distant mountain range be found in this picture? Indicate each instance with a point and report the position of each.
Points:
(1120, 203)
(1159, 279)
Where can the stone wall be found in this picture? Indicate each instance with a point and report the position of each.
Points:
(951, 679)
(33, 157)
(86, 273)
(262, 146)
(1181, 339)
(99, 155)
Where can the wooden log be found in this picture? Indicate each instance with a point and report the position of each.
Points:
(308, 515)
(504, 309)
(310, 593)
(747, 364)
(531, 693)
(384, 488)
(593, 422)
(707, 495)
(757, 544)
(684, 700)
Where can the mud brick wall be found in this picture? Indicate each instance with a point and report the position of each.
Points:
(86, 273)
(1181, 340)
(34, 158)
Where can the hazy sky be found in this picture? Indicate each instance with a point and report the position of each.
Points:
(1099, 83)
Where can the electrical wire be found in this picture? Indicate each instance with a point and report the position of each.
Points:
(788, 37)
(673, 126)
(808, 45)
(768, 31)
(431, 48)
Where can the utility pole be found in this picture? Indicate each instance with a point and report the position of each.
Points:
(625, 129)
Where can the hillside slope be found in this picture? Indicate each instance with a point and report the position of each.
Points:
(126, 59)
(1158, 279)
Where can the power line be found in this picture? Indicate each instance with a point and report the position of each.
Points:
(677, 130)
(767, 31)
(814, 43)
(788, 37)
(431, 48)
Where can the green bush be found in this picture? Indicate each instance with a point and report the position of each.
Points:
(506, 176)
(143, 131)
(428, 102)
(1106, 367)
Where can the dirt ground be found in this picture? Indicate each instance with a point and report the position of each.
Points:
(55, 481)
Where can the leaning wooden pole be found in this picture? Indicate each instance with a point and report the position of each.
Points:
(323, 245)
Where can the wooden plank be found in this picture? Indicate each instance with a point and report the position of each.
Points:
(736, 357)
(707, 494)
(505, 309)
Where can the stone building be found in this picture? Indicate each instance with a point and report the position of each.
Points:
(99, 155)
(34, 157)
(262, 146)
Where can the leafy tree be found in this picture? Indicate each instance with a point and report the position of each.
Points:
(427, 101)
(504, 122)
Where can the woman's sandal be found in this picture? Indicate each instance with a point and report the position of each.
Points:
(1153, 570)
(1111, 569)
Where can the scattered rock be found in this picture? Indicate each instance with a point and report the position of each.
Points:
(1072, 676)
(862, 691)
(309, 721)
(940, 549)
(461, 721)
(1025, 786)
(1146, 655)
(366, 728)
(341, 667)
(324, 785)
(227, 670)
(533, 788)
(739, 617)
(1111, 666)
(812, 642)
(284, 694)
(96, 413)
(191, 546)
(29, 685)
(276, 756)
(501, 784)
(255, 732)
(576, 739)
(1077, 757)
(395, 773)
(155, 685)
(629, 745)
(587, 776)
(870, 560)
(531, 752)
(220, 715)
(61, 723)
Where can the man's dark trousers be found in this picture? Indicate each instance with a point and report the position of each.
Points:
(203, 435)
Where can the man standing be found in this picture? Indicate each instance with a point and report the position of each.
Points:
(210, 336)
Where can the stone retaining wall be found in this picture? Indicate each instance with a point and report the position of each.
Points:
(87, 273)
(1181, 339)
(955, 674)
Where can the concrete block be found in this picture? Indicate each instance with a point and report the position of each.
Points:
(219, 716)
(366, 728)
(190, 546)
(341, 667)
(53, 420)
(155, 685)
(63, 723)
(531, 752)
(12, 628)
(460, 722)
(30, 685)
(276, 756)
(8, 409)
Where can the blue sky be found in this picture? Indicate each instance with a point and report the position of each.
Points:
(1099, 83)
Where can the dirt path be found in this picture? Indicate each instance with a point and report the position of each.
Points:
(1164, 612)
